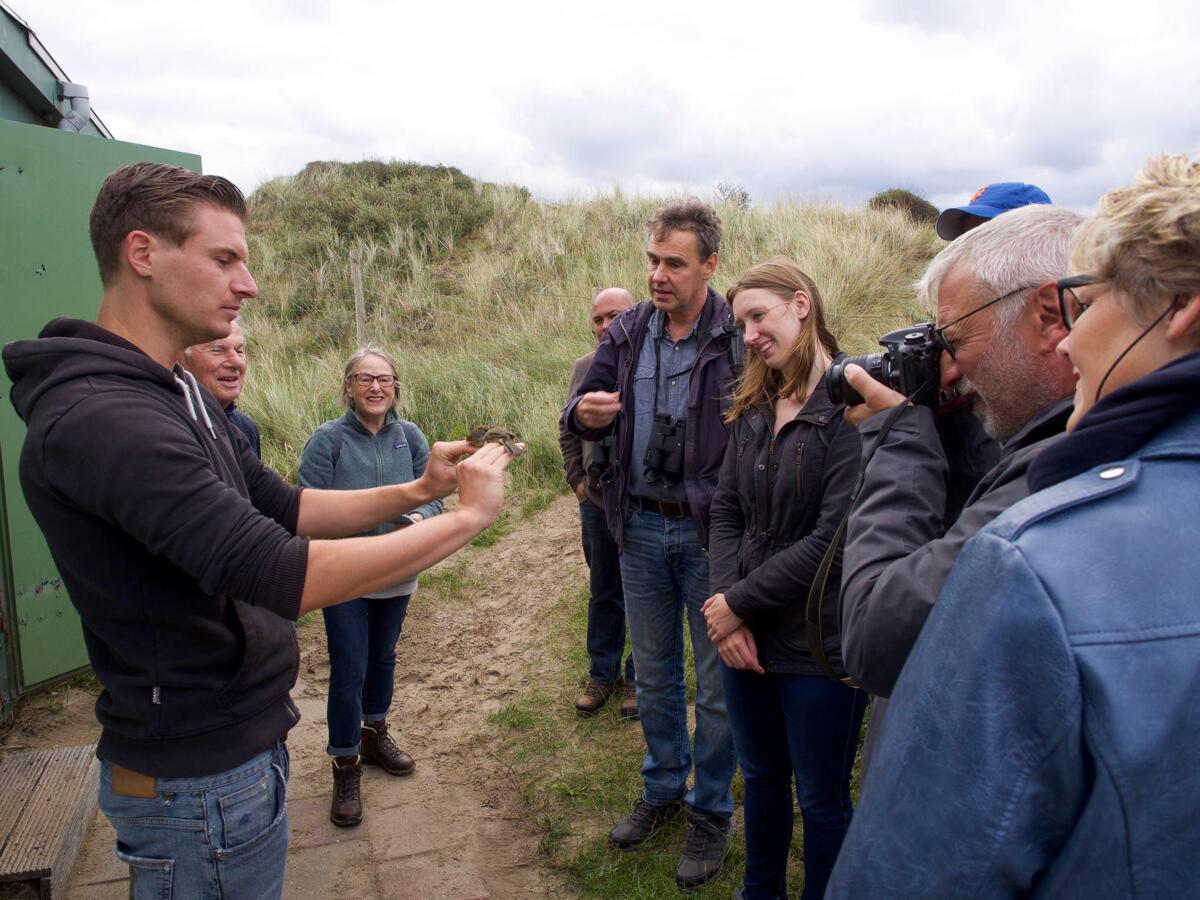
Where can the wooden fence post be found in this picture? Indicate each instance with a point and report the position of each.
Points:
(360, 311)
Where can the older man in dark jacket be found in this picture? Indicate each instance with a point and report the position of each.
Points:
(998, 308)
(659, 384)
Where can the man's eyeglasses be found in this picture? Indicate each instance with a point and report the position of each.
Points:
(1069, 304)
(947, 344)
(365, 380)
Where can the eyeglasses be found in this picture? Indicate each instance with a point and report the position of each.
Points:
(1069, 304)
(947, 344)
(365, 380)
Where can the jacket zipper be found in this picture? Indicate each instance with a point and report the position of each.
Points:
(800, 469)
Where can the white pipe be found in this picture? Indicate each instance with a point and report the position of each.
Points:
(81, 106)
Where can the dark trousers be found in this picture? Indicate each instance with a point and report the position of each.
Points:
(785, 726)
(362, 638)
(606, 606)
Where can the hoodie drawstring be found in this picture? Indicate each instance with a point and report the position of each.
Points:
(187, 395)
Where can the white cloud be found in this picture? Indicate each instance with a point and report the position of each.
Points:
(835, 101)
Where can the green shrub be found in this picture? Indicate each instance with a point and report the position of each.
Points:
(918, 208)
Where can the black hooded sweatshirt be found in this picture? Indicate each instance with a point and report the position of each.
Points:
(175, 544)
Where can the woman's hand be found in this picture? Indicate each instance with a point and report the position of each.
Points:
(738, 651)
(722, 621)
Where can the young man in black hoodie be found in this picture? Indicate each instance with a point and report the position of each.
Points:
(187, 559)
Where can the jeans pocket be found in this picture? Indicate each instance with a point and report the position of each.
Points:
(248, 813)
(151, 879)
(255, 867)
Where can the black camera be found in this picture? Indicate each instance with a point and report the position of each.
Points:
(664, 451)
(909, 365)
(601, 458)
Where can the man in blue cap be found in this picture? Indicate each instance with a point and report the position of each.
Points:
(987, 203)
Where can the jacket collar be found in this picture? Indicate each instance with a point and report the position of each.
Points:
(819, 411)
(1050, 421)
(352, 420)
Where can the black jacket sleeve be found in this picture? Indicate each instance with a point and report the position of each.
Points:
(898, 553)
(783, 579)
(726, 522)
(157, 483)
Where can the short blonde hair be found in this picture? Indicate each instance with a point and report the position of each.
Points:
(1145, 238)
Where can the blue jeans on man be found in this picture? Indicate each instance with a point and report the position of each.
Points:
(785, 726)
(362, 637)
(606, 605)
(223, 835)
(664, 570)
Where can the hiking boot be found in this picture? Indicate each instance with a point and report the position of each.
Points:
(629, 708)
(378, 749)
(645, 819)
(346, 809)
(593, 698)
(703, 851)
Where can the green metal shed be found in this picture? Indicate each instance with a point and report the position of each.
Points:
(54, 154)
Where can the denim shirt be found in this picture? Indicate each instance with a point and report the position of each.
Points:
(677, 359)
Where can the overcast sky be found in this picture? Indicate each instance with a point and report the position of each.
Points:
(816, 101)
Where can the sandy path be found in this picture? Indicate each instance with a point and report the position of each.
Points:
(455, 829)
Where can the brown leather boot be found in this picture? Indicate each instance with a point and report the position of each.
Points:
(378, 749)
(593, 698)
(346, 809)
(629, 708)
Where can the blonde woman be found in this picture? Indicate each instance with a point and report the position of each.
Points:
(785, 485)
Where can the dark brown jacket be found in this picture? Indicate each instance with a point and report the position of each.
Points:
(779, 501)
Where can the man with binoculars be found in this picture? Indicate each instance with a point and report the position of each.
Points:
(999, 325)
(585, 462)
(658, 385)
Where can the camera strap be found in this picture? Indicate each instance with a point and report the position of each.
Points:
(814, 606)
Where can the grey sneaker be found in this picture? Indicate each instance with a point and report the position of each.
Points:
(645, 819)
(704, 851)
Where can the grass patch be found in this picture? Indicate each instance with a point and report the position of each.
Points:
(576, 777)
(493, 532)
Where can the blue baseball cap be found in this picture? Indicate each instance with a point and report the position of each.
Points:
(987, 203)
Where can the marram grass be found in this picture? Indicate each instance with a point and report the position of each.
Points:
(482, 295)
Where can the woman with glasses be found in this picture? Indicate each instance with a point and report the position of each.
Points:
(1042, 738)
(368, 447)
(784, 488)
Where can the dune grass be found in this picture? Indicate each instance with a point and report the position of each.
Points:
(482, 293)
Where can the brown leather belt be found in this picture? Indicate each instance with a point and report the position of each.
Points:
(672, 509)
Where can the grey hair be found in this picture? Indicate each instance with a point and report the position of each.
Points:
(1025, 247)
(187, 351)
(358, 356)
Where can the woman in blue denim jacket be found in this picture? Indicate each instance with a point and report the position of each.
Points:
(368, 447)
(784, 487)
(1042, 738)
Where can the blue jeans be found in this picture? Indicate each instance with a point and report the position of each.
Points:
(665, 572)
(793, 725)
(216, 836)
(606, 605)
(362, 638)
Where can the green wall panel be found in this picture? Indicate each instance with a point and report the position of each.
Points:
(48, 182)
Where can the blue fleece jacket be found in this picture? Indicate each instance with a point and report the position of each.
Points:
(396, 455)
